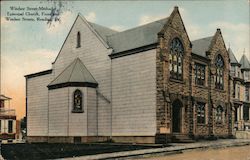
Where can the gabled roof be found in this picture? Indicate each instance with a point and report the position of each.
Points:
(76, 72)
(3, 97)
(232, 57)
(200, 46)
(136, 37)
(102, 31)
(244, 62)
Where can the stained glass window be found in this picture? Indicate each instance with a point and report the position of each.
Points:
(219, 63)
(176, 59)
(78, 102)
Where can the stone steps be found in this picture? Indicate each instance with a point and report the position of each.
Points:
(182, 138)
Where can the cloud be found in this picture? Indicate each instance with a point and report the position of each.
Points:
(65, 22)
(118, 28)
(91, 16)
(43, 53)
(13, 71)
(237, 34)
(4, 21)
(194, 31)
(150, 18)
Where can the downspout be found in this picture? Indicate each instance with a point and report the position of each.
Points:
(191, 132)
(229, 107)
(111, 97)
(97, 118)
(26, 105)
(68, 111)
(210, 113)
(48, 119)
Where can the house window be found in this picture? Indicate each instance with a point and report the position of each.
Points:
(219, 63)
(238, 91)
(10, 126)
(78, 101)
(246, 112)
(176, 59)
(78, 40)
(201, 113)
(233, 70)
(200, 74)
(219, 114)
(247, 93)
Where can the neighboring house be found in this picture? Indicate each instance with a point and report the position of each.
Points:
(148, 84)
(240, 73)
(7, 120)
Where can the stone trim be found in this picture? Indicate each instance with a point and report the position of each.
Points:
(38, 74)
(87, 139)
(73, 84)
(133, 51)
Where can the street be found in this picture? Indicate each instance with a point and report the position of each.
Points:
(231, 153)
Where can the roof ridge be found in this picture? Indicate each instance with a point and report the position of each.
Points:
(103, 26)
(140, 26)
(77, 59)
(62, 72)
(86, 69)
(202, 38)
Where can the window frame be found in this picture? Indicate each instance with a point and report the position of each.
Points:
(176, 54)
(78, 39)
(219, 115)
(246, 93)
(246, 115)
(201, 112)
(200, 74)
(10, 129)
(219, 75)
(78, 108)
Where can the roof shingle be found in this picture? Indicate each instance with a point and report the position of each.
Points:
(136, 37)
(232, 57)
(200, 46)
(244, 62)
(75, 72)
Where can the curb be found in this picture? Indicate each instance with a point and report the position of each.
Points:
(162, 151)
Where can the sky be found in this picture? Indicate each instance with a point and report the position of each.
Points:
(31, 46)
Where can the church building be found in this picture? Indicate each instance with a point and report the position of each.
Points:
(148, 84)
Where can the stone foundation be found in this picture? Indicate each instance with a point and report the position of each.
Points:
(84, 139)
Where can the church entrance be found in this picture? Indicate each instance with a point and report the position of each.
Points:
(176, 116)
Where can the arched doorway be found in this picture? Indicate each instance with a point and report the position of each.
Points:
(176, 116)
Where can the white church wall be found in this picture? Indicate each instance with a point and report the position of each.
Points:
(58, 112)
(134, 95)
(94, 55)
(92, 112)
(37, 101)
(78, 121)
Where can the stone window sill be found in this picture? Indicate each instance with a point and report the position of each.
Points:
(219, 124)
(200, 86)
(176, 80)
(201, 124)
(219, 90)
(77, 111)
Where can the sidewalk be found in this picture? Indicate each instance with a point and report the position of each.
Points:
(176, 147)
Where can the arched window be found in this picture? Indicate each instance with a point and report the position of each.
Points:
(219, 114)
(78, 40)
(176, 59)
(201, 112)
(219, 63)
(77, 101)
